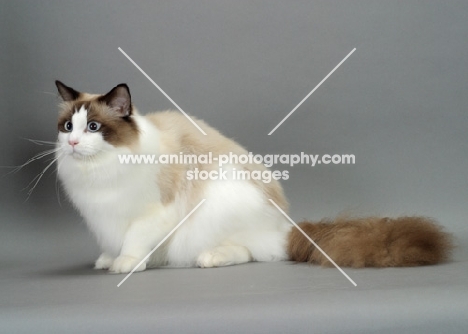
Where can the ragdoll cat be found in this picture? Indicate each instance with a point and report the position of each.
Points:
(130, 208)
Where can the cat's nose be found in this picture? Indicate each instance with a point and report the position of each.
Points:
(73, 142)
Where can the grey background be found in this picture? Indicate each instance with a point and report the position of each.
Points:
(399, 103)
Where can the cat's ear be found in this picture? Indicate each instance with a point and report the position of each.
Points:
(67, 93)
(119, 99)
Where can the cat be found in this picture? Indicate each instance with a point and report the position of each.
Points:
(131, 208)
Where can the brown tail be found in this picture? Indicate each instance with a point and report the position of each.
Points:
(372, 242)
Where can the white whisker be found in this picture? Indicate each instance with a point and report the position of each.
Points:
(88, 146)
(34, 158)
(41, 142)
(38, 177)
(57, 184)
(49, 93)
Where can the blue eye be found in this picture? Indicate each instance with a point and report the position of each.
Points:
(94, 126)
(68, 126)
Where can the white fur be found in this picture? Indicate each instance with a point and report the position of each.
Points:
(121, 205)
(235, 214)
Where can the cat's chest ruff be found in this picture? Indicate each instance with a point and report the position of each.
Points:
(112, 189)
(128, 189)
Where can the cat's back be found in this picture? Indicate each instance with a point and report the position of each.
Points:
(179, 134)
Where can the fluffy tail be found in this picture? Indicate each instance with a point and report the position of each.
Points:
(372, 242)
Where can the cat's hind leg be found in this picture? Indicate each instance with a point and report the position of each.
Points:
(224, 256)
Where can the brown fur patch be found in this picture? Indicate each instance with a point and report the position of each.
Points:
(372, 242)
(179, 135)
(116, 130)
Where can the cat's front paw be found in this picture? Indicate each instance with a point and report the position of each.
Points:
(104, 261)
(210, 259)
(125, 264)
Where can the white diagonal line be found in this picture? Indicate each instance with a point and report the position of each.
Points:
(313, 90)
(157, 246)
(312, 241)
(160, 89)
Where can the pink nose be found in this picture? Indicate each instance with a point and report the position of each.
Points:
(73, 142)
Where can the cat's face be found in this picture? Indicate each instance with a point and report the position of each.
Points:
(90, 125)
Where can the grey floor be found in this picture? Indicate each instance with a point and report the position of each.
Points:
(48, 286)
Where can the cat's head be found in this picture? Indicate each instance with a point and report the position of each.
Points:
(91, 124)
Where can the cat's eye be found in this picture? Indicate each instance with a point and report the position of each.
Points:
(68, 126)
(94, 126)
